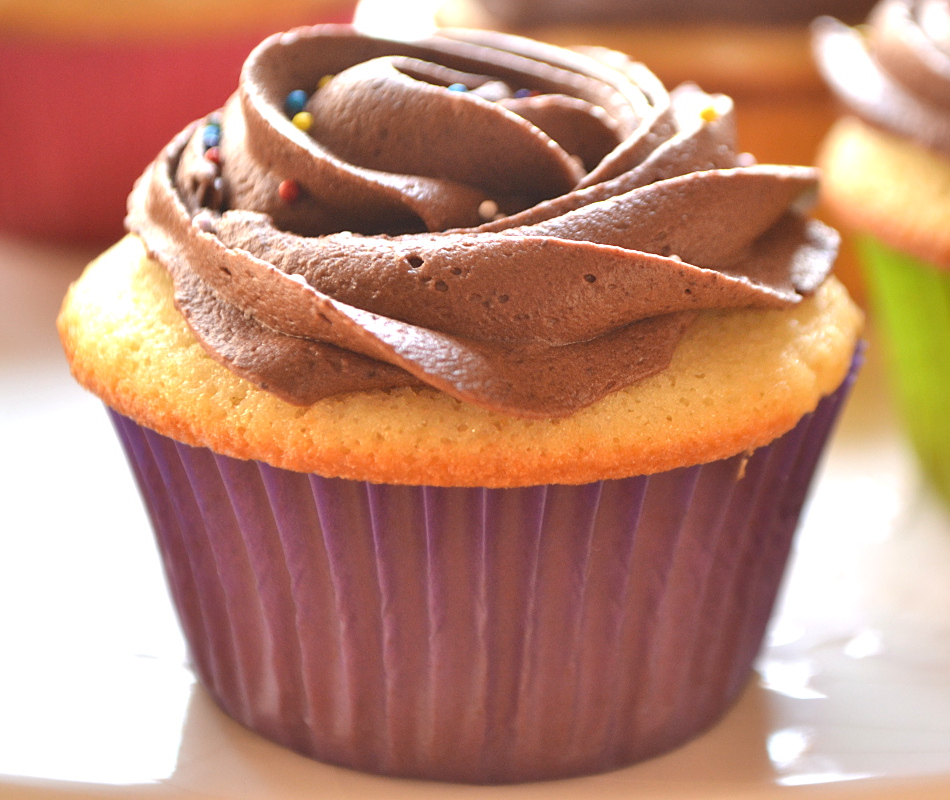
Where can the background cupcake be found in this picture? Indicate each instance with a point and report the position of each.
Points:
(887, 177)
(474, 448)
(91, 90)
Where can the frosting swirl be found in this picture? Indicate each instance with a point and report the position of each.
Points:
(527, 245)
(895, 74)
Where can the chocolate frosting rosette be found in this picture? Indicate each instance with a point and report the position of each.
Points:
(522, 227)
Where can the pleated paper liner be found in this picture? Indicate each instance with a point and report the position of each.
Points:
(911, 303)
(476, 635)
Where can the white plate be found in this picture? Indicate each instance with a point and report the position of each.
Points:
(852, 698)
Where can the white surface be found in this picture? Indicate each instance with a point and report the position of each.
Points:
(96, 699)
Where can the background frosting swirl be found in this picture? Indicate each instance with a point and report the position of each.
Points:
(528, 245)
(894, 73)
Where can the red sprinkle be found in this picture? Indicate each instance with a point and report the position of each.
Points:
(213, 155)
(289, 190)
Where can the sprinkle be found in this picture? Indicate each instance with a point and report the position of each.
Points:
(709, 113)
(303, 120)
(211, 137)
(295, 102)
(487, 209)
(289, 190)
(203, 221)
(457, 87)
(213, 154)
(324, 81)
(523, 93)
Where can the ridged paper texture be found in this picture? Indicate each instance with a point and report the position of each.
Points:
(478, 635)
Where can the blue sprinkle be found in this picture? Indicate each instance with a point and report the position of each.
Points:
(295, 102)
(211, 136)
(458, 87)
(523, 93)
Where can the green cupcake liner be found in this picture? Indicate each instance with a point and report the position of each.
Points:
(910, 300)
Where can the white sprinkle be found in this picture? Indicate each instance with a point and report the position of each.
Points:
(204, 221)
(488, 209)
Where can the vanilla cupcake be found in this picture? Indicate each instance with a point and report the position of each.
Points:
(474, 389)
(887, 166)
(92, 89)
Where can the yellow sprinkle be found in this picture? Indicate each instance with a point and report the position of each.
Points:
(709, 113)
(303, 120)
(324, 81)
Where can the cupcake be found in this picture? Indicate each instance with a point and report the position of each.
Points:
(92, 89)
(474, 387)
(887, 166)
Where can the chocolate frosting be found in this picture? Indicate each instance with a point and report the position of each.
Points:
(527, 245)
(894, 73)
(530, 13)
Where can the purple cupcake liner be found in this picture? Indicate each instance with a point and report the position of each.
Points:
(476, 635)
